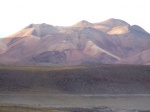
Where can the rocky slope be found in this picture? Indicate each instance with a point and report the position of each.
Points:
(107, 42)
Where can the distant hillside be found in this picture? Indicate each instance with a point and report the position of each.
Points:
(98, 79)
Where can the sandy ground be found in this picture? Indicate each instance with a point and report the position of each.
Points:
(121, 101)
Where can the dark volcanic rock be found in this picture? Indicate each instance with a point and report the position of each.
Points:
(53, 57)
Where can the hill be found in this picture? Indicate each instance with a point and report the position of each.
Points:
(98, 79)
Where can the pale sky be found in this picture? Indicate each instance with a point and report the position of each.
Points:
(17, 14)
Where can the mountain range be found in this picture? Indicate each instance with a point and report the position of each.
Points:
(112, 41)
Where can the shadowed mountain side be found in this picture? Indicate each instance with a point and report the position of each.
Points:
(140, 58)
(3, 47)
(102, 79)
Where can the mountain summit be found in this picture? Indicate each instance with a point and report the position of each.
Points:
(83, 23)
(113, 23)
(112, 41)
(39, 30)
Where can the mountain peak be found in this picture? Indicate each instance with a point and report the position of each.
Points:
(38, 25)
(39, 30)
(83, 23)
(111, 23)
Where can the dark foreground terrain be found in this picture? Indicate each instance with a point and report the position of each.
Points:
(97, 88)
(98, 79)
(20, 108)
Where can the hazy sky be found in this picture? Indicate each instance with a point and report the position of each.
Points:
(16, 14)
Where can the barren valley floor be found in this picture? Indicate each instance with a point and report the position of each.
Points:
(138, 102)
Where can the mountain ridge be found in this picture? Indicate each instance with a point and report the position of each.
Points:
(109, 42)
